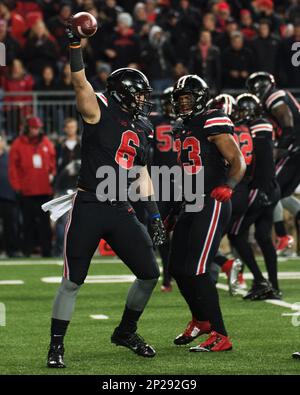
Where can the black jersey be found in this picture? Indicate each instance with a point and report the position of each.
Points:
(163, 144)
(195, 151)
(277, 97)
(264, 166)
(243, 137)
(116, 140)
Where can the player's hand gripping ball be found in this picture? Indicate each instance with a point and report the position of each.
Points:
(83, 24)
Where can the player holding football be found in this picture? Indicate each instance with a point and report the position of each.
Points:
(206, 140)
(284, 109)
(112, 136)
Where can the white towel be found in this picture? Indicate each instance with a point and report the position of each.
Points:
(59, 206)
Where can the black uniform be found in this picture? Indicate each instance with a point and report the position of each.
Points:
(164, 154)
(288, 166)
(263, 196)
(197, 235)
(239, 198)
(117, 142)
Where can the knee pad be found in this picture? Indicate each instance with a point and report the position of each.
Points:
(68, 287)
(139, 293)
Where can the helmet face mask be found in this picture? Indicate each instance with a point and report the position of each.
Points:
(260, 84)
(130, 88)
(248, 108)
(190, 96)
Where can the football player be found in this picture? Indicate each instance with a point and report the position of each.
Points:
(164, 154)
(284, 109)
(239, 201)
(112, 136)
(205, 142)
(263, 197)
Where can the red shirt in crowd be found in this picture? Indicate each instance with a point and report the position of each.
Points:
(32, 162)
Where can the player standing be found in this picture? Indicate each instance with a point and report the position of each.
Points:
(205, 141)
(284, 109)
(264, 195)
(111, 137)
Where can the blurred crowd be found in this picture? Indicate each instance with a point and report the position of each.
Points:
(34, 169)
(222, 41)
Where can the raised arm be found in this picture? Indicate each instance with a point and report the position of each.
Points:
(86, 100)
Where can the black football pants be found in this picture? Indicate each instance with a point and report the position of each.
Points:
(91, 220)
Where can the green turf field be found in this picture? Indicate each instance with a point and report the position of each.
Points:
(263, 338)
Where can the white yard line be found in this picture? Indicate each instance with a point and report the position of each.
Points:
(281, 303)
(11, 282)
(99, 317)
(105, 279)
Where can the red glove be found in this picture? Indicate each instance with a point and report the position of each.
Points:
(222, 193)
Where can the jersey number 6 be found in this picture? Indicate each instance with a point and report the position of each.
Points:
(126, 153)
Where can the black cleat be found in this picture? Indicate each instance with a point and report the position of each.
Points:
(296, 355)
(134, 342)
(56, 356)
(258, 291)
(274, 294)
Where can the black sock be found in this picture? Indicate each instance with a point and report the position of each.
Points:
(129, 320)
(270, 258)
(280, 229)
(164, 253)
(208, 299)
(220, 260)
(58, 331)
(241, 244)
(186, 287)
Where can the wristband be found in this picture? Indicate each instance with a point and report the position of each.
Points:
(152, 208)
(76, 60)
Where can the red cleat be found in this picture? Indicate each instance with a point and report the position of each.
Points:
(216, 342)
(166, 288)
(241, 281)
(193, 330)
(284, 243)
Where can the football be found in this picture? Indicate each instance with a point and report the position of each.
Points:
(84, 24)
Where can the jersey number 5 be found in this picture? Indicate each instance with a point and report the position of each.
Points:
(126, 152)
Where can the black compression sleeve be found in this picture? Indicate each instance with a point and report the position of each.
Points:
(76, 60)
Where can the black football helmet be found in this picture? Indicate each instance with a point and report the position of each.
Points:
(260, 84)
(130, 88)
(166, 102)
(190, 96)
(223, 102)
(248, 108)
